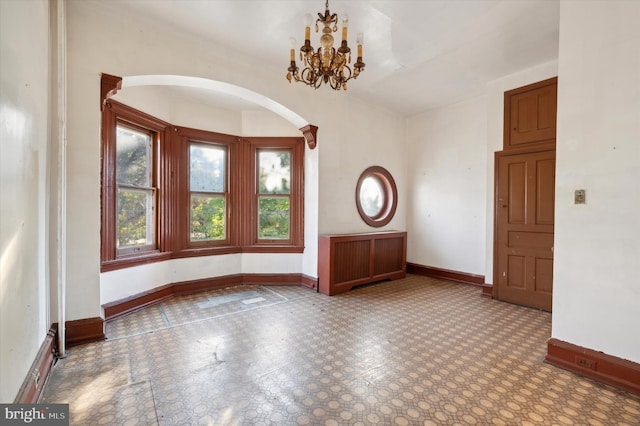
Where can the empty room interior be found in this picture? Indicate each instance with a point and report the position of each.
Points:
(244, 212)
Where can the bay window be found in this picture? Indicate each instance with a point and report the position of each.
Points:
(170, 191)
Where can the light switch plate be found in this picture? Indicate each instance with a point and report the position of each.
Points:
(580, 196)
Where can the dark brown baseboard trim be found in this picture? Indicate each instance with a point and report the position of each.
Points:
(84, 330)
(596, 365)
(445, 274)
(37, 375)
(138, 301)
(487, 290)
(309, 282)
(124, 306)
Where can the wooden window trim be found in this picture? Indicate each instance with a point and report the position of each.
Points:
(173, 214)
(113, 113)
(153, 187)
(185, 136)
(295, 243)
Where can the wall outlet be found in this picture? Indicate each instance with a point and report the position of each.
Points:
(586, 363)
(580, 196)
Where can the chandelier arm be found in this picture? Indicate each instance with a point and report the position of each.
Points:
(307, 79)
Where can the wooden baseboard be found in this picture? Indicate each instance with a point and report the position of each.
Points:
(487, 290)
(445, 274)
(309, 282)
(122, 307)
(84, 330)
(37, 375)
(596, 365)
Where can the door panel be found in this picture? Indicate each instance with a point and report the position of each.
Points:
(546, 182)
(517, 200)
(516, 272)
(532, 114)
(525, 212)
(544, 275)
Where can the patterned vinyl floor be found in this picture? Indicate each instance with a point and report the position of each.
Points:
(416, 351)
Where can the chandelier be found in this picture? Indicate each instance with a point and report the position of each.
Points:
(326, 65)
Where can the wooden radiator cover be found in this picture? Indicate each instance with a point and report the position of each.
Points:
(348, 260)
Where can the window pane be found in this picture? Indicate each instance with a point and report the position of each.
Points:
(207, 164)
(274, 168)
(371, 196)
(133, 157)
(207, 218)
(273, 214)
(135, 217)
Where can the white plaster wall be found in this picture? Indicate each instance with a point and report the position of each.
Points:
(352, 136)
(24, 95)
(596, 295)
(356, 137)
(122, 283)
(167, 104)
(495, 136)
(311, 217)
(266, 123)
(447, 171)
(116, 285)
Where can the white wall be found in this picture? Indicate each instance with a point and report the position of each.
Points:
(352, 136)
(451, 177)
(356, 137)
(596, 295)
(166, 104)
(447, 172)
(24, 95)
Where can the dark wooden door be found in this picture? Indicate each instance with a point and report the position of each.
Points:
(530, 114)
(524, 220)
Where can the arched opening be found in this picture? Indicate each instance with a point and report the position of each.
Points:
(111, 84)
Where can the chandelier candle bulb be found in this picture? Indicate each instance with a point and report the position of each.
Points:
(293, 49)
(360, 42)
(345, 24)
(307, 26)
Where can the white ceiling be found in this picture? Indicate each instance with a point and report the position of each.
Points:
(420, 54)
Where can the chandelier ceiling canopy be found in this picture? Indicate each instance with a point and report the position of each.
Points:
(326, 65)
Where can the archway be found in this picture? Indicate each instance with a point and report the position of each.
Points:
(111, 84)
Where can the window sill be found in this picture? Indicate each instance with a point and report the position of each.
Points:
(133, 260)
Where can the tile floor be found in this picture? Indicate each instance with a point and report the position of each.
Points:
(416, 351)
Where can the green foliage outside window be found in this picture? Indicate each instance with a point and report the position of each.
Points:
(207, 218)
(133, 218)
(273, 218)
(274, 178)
(207, 175)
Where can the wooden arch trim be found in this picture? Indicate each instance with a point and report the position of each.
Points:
(109, 86)
(309, 131)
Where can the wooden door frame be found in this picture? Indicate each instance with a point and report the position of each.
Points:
(496, 166)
